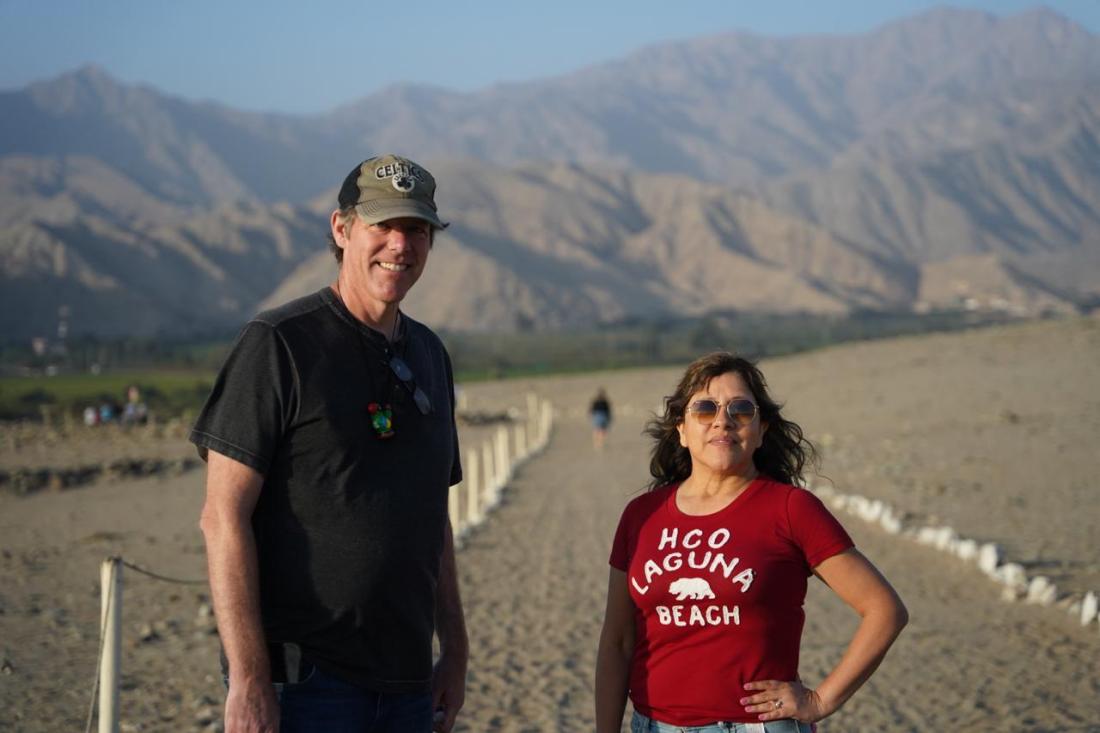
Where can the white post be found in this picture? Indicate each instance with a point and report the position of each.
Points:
(536, 430)
(504, 464)
(110, 629)
(488, 488)
(547, 421)
(532, 415)
(453, 510)
(521, 443)
(473, 483)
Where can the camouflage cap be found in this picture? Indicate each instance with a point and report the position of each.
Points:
(388, 187)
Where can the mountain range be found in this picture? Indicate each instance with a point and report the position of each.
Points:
(952, 158)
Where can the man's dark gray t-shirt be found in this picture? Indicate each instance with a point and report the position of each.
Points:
(349, 525)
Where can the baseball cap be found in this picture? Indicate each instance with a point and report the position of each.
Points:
(388, 187)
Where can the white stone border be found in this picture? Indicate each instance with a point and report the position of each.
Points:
(989, 557)
(487, 471)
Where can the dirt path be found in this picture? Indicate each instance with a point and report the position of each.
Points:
(535, 579)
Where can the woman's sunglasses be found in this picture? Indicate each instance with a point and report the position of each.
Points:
(738, 411)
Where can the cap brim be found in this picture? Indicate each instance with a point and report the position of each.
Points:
(375, 212)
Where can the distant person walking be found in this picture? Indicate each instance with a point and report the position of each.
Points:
(331, 443)
(600, 414)
(709, 568)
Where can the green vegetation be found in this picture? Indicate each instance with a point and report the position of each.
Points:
(166, 392)
(174, 378)
(679, 340)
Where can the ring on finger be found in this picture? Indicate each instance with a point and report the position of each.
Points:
(778, 704)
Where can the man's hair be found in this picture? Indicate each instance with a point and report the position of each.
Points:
(348, 214)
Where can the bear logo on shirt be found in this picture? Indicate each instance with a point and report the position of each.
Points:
(693, 588)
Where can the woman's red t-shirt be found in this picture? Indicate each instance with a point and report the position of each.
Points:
(718, 598)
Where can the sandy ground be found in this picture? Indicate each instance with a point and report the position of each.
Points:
(72, 445)
(989, 432)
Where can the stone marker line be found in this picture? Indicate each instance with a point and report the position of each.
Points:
(988, 556)
(487, 471)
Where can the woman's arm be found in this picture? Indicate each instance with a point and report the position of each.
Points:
(613, 658)
(883, 615)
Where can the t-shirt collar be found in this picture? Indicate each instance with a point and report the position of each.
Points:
(374, 337)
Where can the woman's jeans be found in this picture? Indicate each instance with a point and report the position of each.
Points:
(641, 724)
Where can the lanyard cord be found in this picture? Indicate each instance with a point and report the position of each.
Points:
(389, 386)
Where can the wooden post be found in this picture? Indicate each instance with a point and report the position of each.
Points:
(110, 629)
(547, 422)
(473, 482)
(453, 510)
(533, 416)
(504, 463)
(536, 430)
(488, 488)
(521, 442)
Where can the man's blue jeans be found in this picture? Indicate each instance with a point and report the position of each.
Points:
(323, 704)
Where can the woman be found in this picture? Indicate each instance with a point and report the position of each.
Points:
(600, 412)
(709, 571)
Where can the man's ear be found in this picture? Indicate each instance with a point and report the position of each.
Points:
(340, 225)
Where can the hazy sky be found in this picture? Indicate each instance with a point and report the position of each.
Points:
(295, 56)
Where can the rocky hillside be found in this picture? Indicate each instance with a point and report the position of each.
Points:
(950, 158)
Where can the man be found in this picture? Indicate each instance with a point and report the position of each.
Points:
(331, 444)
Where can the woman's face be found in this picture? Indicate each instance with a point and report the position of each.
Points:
(722, 445)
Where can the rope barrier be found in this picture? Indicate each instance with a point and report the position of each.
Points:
(109, 607)
(158, 576)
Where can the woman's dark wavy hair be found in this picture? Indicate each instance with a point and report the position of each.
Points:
(782, 455)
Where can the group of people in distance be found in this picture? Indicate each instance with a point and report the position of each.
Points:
(331, 444)
(134, 412)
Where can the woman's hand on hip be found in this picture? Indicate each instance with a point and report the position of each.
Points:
(776, 700)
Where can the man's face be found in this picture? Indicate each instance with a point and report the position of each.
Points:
(384, 260)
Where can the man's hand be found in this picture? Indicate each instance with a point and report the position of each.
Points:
(251, 707)
(448, 690)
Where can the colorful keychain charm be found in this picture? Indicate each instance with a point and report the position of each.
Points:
(381, 419)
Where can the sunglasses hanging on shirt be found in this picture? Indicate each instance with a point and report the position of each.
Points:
(404, 375)
(381, 414)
